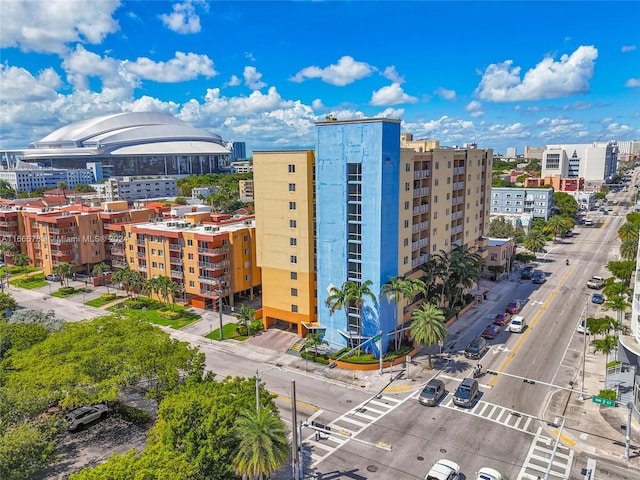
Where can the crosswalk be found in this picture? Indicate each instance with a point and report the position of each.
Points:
(540, 454)
(348, 425)
(495, 413)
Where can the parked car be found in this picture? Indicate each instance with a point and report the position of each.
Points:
(491, 331)
(518, 324)
(52, 277)
(597, 298)
(476, 349)
(596, 282)
(432, 393)
(513, 307)
(444, 470)
(466, 393)
(539, 277)
(78, 418)
(527, 273)
(502, 318)
(581, 327)
(543, 250)
(486, 473)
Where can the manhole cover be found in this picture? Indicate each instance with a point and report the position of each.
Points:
(443, 450)
(420, 458)
(372, 468)
(442, 429)
(348, 401)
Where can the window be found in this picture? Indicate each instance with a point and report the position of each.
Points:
(448, 196)
(130, 247)
(435, 199)
(292, 205)
(293, 241)
(405, 260)
(190, 256)
(294, 308)
(191, 270)
(292, 224)
(407, 187)
(160, 253)
(435, 215)
(437, 165)
(294, 292)
(407, 167)
(494, 257)
(406, 205)
(192, 283)
(435, 182)
(161, 266)
(154, 264)
(292, 187)
(294, 275)
(406, 242)
(406, 224)
(448, 180)
(292, 168)
(449, 164)
(293, 259)
(189, 243)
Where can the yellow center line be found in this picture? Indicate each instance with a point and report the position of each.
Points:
(299, 404)
(564, 439)
(525, 334)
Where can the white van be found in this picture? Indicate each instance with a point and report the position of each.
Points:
(518, 324)
(588, 221)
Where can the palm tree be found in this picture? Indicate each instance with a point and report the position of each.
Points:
(173, 290)
(21, 260)
(628, 231)
(98, 271)
(535, 240)
(6, 247)
(123, 276)
(246, 315)
(398, 289)
(613, 288)
(428, 327)
(605, 345)
(65, 270)
(314, 340)
(262, 447)
(629, 249)
(430, 278)
(466, 267)
(442, 271)
(151, 287)
(619, 304)
(351, 298)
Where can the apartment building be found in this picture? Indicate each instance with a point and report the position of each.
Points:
(130, 188)
(284, 203)
(30, 177)
(380, 209)
(525, 203)
(246, 190)
(212, 260)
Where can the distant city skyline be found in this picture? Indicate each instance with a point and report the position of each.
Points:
(497, 74)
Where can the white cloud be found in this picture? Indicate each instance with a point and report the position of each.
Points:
(445, 93)
(252, 78)
(632, 82)
(346, 71)
(48, 26)
(474, 108)
(80, 65)
(628, 48)
(391, 95)
(184, 18)
(234, 81)
(390, 113)
(184, 66)
(391, 74)
(317, 104)
(18, 85)
(549, 79)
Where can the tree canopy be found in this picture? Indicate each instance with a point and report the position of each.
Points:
(565, 204)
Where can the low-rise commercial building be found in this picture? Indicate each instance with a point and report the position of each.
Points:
(522, 202)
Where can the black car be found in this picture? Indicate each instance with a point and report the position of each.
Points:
(527, 273)
(477, 348)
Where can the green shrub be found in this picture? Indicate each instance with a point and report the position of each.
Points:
(66, 290)
(608, 394)
(134, 304)
(613, 363)
(256, 325)
(107, 297)
(241, 330)
(169, 314)
(318, 358)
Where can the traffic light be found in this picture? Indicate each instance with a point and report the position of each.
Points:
(492, 372)
(532, 382)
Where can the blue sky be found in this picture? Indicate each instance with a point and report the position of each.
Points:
(499, 74)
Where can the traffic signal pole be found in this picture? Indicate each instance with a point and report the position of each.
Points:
(533, 382)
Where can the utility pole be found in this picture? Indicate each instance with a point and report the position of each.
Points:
(220, 310)
(553, 453)
(294, 433)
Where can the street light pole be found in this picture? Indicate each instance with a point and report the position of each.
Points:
(220, 310)
(584, 349)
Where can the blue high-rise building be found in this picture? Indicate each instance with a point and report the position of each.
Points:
(357, 193)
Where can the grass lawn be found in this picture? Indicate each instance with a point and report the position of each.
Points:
(34, 281)
(70, 293)
(152, 313)
(228, 332)
(13, 271)
(98, 302)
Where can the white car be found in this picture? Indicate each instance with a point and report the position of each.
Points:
(581, 328)
(78, 418)
(518, 324)
(486, 473)
(444, 470)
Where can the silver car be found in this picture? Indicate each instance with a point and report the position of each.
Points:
(78, 418)
(432, 393)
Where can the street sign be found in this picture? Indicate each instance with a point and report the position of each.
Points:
(604, 401)
(376, 338)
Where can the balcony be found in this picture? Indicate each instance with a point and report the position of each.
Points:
(118, 253)
(213, 280)
(141, 254)
(416, 262)
(420, 226)
(62, 256)
(419, 192)
(421, 209)
(421, 174)
(177, 274)
(175, 261)
(140, 241)
(142, 268)
(205, 292)
(458, 170)
(62, 240)
(118, 263)
(60, 230)
(174, 247)
(213, 266)
(4, 223)
(211, 251)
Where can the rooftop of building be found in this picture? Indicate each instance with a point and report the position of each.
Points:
(498, 242)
